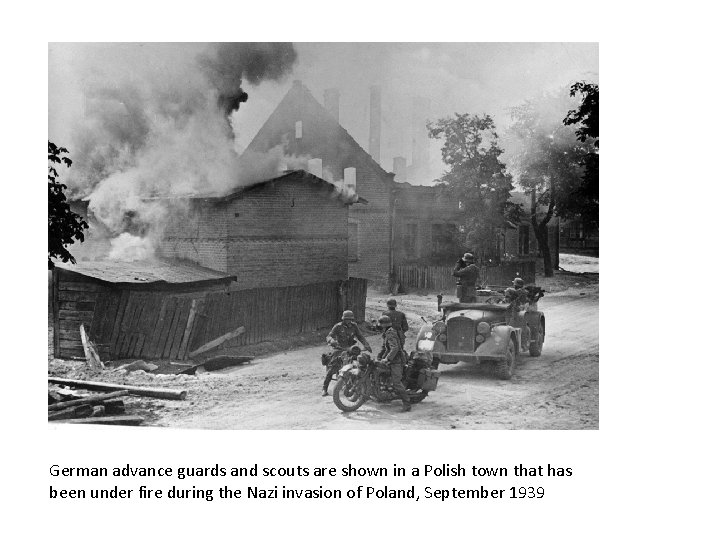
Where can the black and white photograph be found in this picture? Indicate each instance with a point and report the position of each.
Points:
(324, 235)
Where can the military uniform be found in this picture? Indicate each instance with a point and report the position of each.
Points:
(399, 323)
(343, 335)
(468, 276)
(391, 351)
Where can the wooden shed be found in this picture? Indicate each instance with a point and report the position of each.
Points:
(131, 310)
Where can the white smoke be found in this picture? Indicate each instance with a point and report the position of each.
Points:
(147, 124)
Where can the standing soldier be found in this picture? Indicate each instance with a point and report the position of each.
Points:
(341, 337)
(398, 320)
(391, 352)
(467, 274)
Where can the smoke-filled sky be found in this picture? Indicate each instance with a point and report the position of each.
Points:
(453, 77)
(167, 120)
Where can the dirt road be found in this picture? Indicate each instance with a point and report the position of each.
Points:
(559, 390)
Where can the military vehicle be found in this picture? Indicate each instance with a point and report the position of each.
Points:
(494, 329)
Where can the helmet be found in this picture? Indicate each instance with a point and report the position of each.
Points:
(348, 316)
(518, 282)
(384, 321)
(468, 257)
(392, 302)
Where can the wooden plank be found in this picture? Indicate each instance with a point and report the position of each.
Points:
(170, 329)
(180, 326)
(217, 342)
(80, 286)
(182, 352)
(122, 304)
(107, 320)
(119, 420)
(77, 296)
(158, 340)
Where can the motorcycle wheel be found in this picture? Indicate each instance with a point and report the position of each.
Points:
(346, 395)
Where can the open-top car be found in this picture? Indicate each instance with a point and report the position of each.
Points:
(494, 329)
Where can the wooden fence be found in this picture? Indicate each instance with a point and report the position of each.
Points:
(440, 278)
(168, 324)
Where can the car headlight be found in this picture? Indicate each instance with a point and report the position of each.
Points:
(480, 338)
(439, 327)
(483, 328)
(442, 337)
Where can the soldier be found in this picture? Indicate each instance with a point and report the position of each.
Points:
(341, 337)
(398, 320)
(467, 274)
(391, 352)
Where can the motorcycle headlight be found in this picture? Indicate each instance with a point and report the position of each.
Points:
(483, 328)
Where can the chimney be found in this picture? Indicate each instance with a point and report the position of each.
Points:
(332, 102)
(315, 167)
(375, 120)
(400, 169)
(349, 179)
(420, 146)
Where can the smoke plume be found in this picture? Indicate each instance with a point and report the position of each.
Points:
(147, 124)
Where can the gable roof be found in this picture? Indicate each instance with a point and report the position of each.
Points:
(299, 101)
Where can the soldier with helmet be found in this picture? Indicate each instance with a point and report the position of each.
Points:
(467, 273)
(342, 336)
(397, 319)
(391, 352)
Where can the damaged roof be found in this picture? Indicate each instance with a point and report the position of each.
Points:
(333, 190)
(156, 271)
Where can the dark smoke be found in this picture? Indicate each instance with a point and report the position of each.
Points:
(231, 63)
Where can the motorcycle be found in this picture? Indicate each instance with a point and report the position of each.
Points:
(366, 378)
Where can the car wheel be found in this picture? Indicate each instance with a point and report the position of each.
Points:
(504, 368)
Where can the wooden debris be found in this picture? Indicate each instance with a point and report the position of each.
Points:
(91, 355)
(88, 400)
(114, 406)
(137, 365)
(80, 411)
(217, 342)
(98, 410)
(122, 420)
(220, 362)
(161, 393)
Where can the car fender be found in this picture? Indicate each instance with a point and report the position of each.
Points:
(497, 342)
(428, 345)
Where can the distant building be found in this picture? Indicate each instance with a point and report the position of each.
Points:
(426, 220)
(519, 239)
(578, 238)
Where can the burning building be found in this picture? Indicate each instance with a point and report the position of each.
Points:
(270, 258)
(303, 127)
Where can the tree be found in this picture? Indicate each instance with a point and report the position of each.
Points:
(64, 225)
(476, 177)
(588, 116)
(550, 163)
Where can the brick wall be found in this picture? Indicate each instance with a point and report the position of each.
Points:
(198, 235)
(287, 233)
(283, 233)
